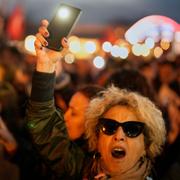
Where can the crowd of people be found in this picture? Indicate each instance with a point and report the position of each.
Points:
(62, 121)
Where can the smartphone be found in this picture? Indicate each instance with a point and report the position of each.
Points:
(61, 25)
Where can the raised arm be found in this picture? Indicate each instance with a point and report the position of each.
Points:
(45, 122)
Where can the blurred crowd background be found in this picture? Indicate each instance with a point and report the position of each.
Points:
(96, 50)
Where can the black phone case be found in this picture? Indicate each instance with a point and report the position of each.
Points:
(59, 28)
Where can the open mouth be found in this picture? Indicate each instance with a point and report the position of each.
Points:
(118, 153)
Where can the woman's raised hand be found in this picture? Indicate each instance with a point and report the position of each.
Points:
(46, 58)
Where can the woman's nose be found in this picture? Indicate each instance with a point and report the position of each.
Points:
(119, 135)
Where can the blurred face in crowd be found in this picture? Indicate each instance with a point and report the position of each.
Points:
(166, 73)
(75, 115)
(119, 152)
(149, 72)
(21, 77)
(2, 73)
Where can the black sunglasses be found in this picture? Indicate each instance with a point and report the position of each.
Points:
(131, 128)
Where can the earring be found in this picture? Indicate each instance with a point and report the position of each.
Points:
(96, 155)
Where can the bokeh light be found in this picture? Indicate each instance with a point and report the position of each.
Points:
(149, 42)
(107, 46)
(115, 51)
(90, 47)
(29, 44)
(99, 62)
(123, 52)
(74, 44)
(158, 52)
(69, 58)
(165, 44)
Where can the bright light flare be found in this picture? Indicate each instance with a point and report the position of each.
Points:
(138, 31)
(154, 26)
(131, 38)
(63, 13)
(177, 36)
(153, 33)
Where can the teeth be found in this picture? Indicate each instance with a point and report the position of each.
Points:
(118, 149)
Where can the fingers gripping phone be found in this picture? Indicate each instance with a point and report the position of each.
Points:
(61, 25)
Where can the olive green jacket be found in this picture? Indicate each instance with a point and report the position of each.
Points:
(47, 127)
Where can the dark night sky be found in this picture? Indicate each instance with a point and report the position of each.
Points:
(102, 12)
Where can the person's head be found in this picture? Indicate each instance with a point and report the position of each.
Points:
(74, 116)
(2, 73)
(131, 80)
(149, 70)
(9, 105)
(123, 127)
(167, 72)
